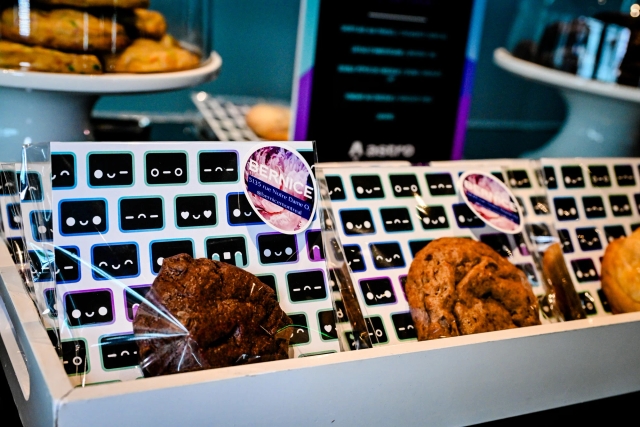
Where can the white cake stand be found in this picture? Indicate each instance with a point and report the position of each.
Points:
(603, 118)
(40, 107)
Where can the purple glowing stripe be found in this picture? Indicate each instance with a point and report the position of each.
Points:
(463, 110)
(304, 105)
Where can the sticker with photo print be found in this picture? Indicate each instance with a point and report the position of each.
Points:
(550, 179)
(417, 245)
(196, 211)
(357, 221)
(88, 308)
(565, 241)
(115, 260)
(540, 205)
(229, 249)
(585, 270)
(499, 242)
(80, 217)
(519, 179)
(133, 296)
(624, 175)
(378, 291)
(63, 170)
(166, 168)
(110, 169)
(67, 260)
(240, 211)
(218, 166)
(327, 322)
(613, 232)
(403, 324)
(299, 329)
(440, 184)
(620, 205)
(466, 218)
(8, 183)
(315, 248)
(75, 359)
(433, 217)
(14, 216)
(141, 213)
(589, 239)
(396, 220)
(367, 186)
(594, 207)
(162, 249)
(355, 260)
(572, 176)
(277, 248)
(376, 330)
(405, 185)
(566, 209)
(30, 186)
(599, 176)
(306, 286)
(119, 351)
(588, 303)
(387, 255)
(336, 188)
(41, 226)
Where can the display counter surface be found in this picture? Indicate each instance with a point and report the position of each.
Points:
(456, 381)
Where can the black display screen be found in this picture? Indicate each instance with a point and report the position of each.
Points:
(387, 78)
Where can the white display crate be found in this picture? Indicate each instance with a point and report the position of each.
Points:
(455, 381)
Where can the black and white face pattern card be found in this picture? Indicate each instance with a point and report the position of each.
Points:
(386, 215)
(118, 210)
(594, 202)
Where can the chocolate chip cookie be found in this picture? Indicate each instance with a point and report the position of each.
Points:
(461, 286)
(202, 314)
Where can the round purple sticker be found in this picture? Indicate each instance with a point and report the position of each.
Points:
(281, 187)
(491, 201)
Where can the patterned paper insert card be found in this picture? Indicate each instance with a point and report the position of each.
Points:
(386, 215)
(593, 201)
(124, 207)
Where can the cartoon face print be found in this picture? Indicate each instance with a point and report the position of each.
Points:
(634, 227)
(594, 207)
(299, 329)
(67, 264)
(110, 169)
(613, 232)
(497, 175)
(309, 156)
(166, 168)
(341, 312)
(196, 211)
(572, 176)
(499, 242)
(8, 183)
(74, 357)
(133, 298)
(270, 281)
(405, 185)
(396, 220)
(387, 255)
(336, 189)
(30, 187)
(465, 217)
(519, 179)
(566, 209)
(530, 272)
(166, 249)
(375, 327)
(522, 206)
(306, 286)
(63, 170)
(367, 187)
(327, 322)
(83, 216)
(440, 184)
(540, 205)
(565, 241)
(232, 250)
(119, 260)
(357, 221)
(637, 199)
(141, 213)
(588, 303)
(327, 220)
(521, 244)
(87, 308)
(277, 248)
(624, 175)
(620, 205)
(550, 180)
(604, 301)
(220, 166)
(433, 217)
(599, 176)
(403, 324)
(585, 270)
(589, 239)
(119, 351)
(240, 212)
(315, 248)
(41, 226)
(14, 216)
(378, 291)
(355, 260)
(335, 278)
(417, 245)
(16, 247)
(50, 301)
(41, 265)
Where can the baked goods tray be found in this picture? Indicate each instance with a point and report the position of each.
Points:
(523, 370)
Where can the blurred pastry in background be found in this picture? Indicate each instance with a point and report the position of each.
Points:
(17, 56)
(128, 4)
(269, 121)
(621, 274)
